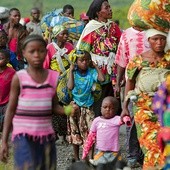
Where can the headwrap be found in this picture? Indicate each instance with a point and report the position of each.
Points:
(74, 54)
(152, 32)
(57, 30)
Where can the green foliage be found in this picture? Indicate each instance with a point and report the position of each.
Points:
(120, 8)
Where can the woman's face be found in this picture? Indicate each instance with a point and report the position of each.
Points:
(106, 11)
(157, 43)
(62, 36)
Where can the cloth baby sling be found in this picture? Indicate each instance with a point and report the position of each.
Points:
(60, 53)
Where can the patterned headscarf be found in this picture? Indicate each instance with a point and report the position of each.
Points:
(57, 30)
(74, 54)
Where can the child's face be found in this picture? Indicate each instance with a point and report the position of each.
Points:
(69, 13)
(108, 109)
(83, 62)
(62, 36)
(3, 39)
(15, 17)
(3, 60)
(35, 14)
(35, 53)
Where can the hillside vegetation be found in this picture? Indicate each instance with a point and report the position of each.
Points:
(120, 7)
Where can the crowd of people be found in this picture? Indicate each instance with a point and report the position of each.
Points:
(83, 90)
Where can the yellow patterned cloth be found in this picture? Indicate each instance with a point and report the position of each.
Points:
(150, 14)
(149, 77)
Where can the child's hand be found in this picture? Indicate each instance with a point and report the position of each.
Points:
(127, 120)
(76, 109)
(72, 67)
(94, 64)
(4, 153)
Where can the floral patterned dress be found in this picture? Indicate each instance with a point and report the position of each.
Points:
(148, 79)
(102, 43)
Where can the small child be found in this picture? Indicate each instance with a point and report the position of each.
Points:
(81, 80)
(3, 45)
(32, 101)
(105, 131)
(6, 74)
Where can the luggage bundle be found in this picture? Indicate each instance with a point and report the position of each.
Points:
(150, 14)
(55, 17)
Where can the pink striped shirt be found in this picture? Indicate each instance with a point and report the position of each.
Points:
(34, 110)
(132, 42)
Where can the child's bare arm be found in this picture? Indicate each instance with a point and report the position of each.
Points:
(70, 83)
(56, 107)
(100, 74)
(12, 105)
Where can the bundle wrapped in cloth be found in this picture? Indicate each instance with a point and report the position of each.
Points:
(4, 12)
(55, 17)
(150, 14)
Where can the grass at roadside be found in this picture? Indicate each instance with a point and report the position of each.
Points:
(9, 165)
(120, 8)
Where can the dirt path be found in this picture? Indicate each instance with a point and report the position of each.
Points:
(65, 153)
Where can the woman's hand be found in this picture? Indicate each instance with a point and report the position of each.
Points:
(117, 90)
(125, 112)
(4, 153)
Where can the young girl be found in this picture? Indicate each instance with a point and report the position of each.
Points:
(81, 79)
(105, 130)
(6, 74)
(57, 59)
(31, 104)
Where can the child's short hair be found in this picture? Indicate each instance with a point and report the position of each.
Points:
(5, 53)
(13, 9)
(33, 37)
(68, 6)
(115, 102)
